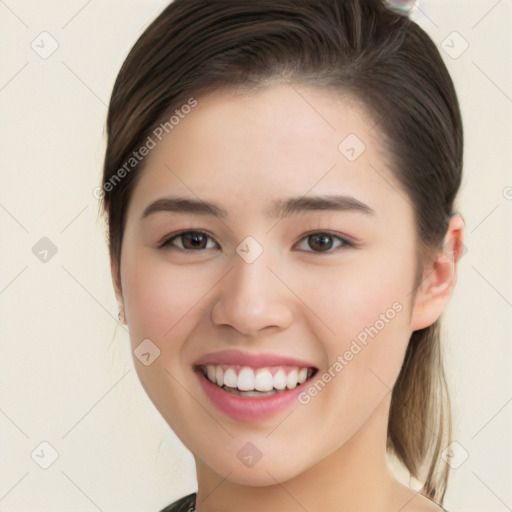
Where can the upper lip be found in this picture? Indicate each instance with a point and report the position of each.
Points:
(256, 360)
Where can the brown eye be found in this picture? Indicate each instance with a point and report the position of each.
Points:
(323, 243)
(189, 241)
(320, 242)
(194, 240)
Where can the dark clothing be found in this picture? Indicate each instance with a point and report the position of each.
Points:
(188, 504)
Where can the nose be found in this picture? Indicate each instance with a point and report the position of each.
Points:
(251, 298)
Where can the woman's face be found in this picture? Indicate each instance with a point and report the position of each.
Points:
(262, 295)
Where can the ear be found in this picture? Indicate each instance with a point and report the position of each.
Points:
(439, 277)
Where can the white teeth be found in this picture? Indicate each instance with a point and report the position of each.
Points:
(291, 379)
(210, 371)
(230, 379)
(246, 379)
(263, 380)
(280, 379)
(219, 376)
(259, 381)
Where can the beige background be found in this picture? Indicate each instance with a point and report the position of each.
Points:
(66, 374)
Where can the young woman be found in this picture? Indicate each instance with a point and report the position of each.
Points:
(279, 187)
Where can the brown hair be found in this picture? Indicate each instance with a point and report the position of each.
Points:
(359, 47)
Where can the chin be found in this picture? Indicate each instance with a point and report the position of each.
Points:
(263, 473)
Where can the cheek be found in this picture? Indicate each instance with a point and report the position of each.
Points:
(160, 296)
(353, 296)
(365, 305)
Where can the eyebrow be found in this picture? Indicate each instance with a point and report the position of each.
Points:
(279, 209)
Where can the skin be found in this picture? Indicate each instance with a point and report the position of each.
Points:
(243, 151)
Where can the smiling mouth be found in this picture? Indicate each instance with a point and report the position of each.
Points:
(247, 381)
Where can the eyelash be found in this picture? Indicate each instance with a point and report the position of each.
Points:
(345, 243)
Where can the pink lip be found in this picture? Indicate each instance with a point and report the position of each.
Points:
(250, 409)
(238, 357)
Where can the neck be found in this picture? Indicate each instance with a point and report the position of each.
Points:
(354, 477)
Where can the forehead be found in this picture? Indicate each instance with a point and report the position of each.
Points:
(241, 149)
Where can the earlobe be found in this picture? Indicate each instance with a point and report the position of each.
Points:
(439, 277)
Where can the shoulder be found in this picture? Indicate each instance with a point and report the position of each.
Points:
(186, 504)
(409, 500)
(421, 503)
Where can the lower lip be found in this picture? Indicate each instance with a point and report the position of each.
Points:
(249, 408)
